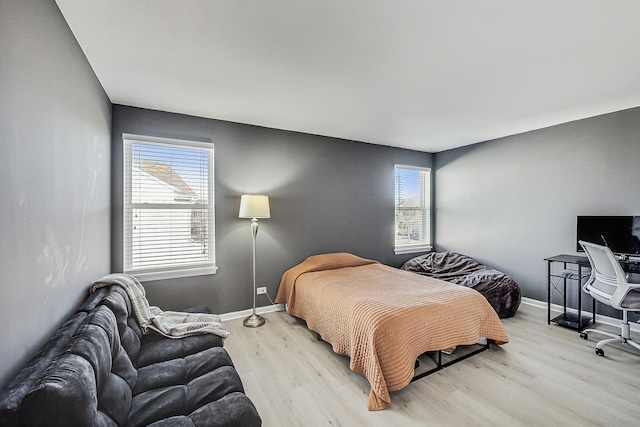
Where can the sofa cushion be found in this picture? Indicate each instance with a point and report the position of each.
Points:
(98, 341)
(234, 409)
(64, 396)
(181, 370)
(212, 386)
(179, 421)
(182, 400)
(116, 299)
(157, 348)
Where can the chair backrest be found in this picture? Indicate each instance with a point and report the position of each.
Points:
(608, 281)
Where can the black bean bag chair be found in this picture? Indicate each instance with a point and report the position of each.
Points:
(502, 292)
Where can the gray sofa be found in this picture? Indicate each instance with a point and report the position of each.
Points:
(99, 369)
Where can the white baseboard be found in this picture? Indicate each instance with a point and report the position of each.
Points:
(606, 320)
(247, 313)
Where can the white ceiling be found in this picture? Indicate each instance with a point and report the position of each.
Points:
(420, 74)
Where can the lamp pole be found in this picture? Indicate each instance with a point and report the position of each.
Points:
(254, 320)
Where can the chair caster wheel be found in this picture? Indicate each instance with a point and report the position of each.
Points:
(599, 352)
(584, 335)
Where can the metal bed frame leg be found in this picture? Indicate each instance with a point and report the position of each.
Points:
(440, 366)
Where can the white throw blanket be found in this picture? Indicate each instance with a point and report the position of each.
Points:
(171, 324)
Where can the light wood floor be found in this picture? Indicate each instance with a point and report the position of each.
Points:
(545, 376)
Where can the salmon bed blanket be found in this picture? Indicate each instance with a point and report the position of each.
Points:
(383, 318)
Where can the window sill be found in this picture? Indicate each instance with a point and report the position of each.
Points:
(409, 249)
(172, 274)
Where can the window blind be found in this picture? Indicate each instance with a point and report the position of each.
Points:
(168, 207)
(412, 209)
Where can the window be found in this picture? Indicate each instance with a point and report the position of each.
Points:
(413, 209)
(168, 208)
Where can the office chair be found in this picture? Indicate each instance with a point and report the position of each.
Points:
(609, 284)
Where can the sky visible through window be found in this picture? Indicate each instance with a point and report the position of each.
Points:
(410, 179)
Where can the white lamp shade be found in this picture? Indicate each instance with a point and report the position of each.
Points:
(254, 206)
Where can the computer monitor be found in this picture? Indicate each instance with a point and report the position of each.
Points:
(620, 233)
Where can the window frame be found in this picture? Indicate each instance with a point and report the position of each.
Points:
(426, 207)
(163, 272)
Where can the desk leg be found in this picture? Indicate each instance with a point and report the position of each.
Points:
(548, 292)
(564, 292)
(579, 297)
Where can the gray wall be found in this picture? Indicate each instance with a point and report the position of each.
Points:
(54, 174)
(514, 201)
(327, 195)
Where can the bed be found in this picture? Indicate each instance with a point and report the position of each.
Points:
(383, 318)
(502, 292)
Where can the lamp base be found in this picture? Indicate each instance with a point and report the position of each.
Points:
(253, 321)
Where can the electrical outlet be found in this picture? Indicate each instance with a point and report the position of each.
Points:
(261, 291)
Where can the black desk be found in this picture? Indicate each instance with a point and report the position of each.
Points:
(570, 320)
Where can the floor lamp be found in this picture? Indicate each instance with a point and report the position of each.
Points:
(254, 207)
